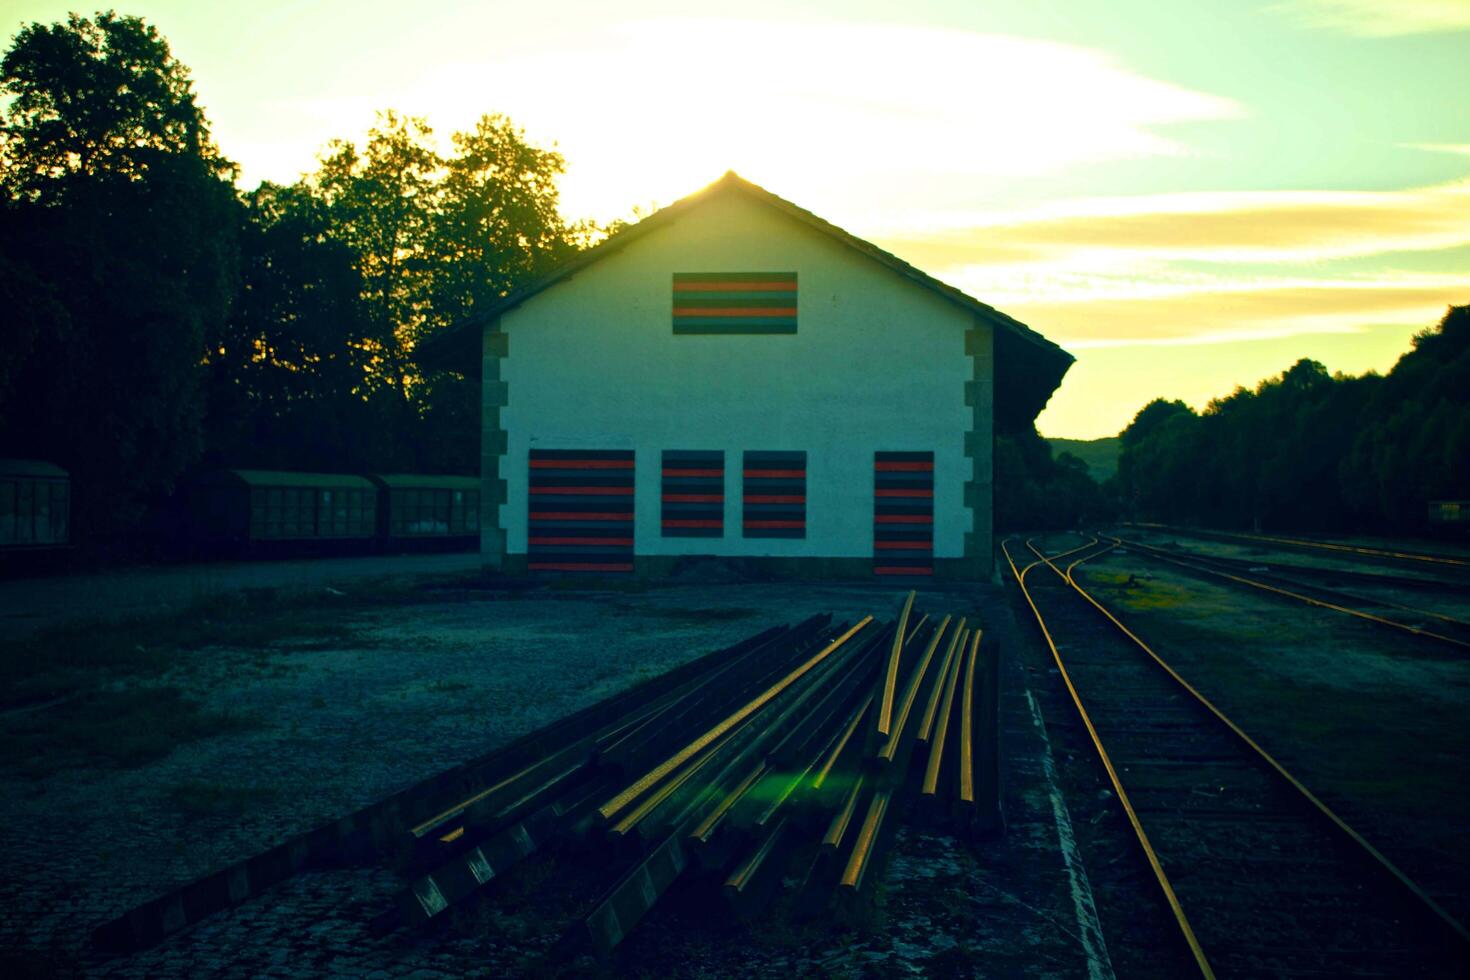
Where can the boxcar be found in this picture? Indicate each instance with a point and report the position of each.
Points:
(35, 505)
(429, 512)
(266, 511)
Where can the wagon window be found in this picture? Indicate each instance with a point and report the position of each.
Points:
(43, 513)
(60, 512)
(440, 523)
(25, 512)
(7, 512)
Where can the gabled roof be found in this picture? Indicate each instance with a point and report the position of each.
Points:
(288, 478)
(32, 468)
(1040, 362)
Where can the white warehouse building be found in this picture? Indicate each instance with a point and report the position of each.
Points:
(733, 376)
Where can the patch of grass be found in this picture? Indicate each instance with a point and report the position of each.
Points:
(200, 798)
(1147, 592)
(122, 728)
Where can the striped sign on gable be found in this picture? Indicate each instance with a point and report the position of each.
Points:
(581, 517)
(694, 494)
(903, 513)
(734, 302)
(775, 495)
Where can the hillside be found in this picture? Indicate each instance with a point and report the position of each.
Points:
(1100, 455)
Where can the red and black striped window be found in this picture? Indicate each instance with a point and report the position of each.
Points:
(734, 302)
(903, 513)
(694, 494)
(775, 495)
(581, 517)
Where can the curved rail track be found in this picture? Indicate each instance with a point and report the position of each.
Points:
(1414, 620)
(1261, 877)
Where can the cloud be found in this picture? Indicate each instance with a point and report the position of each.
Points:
(1185, 269)
(1124, 237)
(1245, 311)
(1379, 18)
(1458, 149)
(823, 112)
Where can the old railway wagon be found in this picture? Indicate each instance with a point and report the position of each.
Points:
(35, 505)
(734, 376)
(421, 512)
(267, 511)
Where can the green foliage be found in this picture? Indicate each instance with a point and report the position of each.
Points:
(1100, 455)
(117, 243)
(429, 239)
(1311, 451)
(96, 97)
(288, 378)
(1036, 492)
(158, 321)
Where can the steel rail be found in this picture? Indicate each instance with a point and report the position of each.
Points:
(1288, 573)
(967, 724)
(926, 722)
(890, 676)
(1444, 917)
(862, 856)
(951, 675)
(1201, 962)
(1155, 553)
(1069, 551)
(1331, 546)
(655, 775)
(910, 695)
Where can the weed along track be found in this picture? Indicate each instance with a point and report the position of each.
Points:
(767, 778)
(1259, 876)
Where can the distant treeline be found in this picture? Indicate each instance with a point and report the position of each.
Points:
(158, 319)
(1310, 451)
(1038, 491)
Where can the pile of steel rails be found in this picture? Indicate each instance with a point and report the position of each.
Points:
(776, 770)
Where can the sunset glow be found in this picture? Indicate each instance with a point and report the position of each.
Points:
(1185, 208)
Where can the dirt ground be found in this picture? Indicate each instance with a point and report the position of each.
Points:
(30, 604)
(275, 720)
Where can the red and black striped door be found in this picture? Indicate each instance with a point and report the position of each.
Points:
(903, 513)
(775, 495)
(581, 511)
(693, 494)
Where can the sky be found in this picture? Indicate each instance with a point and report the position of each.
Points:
(1188, 195)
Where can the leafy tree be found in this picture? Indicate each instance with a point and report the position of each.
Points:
(1309, 451)
(94, 97)
(287, 379)
(118, 238)
(1035, 492)
(498, 223)
(380, 203)
(1414, 445)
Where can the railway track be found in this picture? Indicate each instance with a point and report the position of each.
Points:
(1456, 565)
(1260, 877)
(1417, 621)
(775, 773)
(1358, 577)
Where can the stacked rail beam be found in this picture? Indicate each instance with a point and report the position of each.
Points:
(778, 769)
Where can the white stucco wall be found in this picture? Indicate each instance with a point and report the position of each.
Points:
(878, 363)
